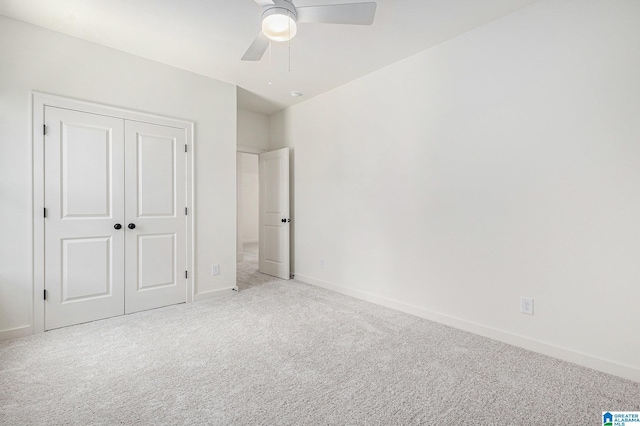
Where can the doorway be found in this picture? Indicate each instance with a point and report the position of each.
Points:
(263, 221)
(247, 221)
(248, 213)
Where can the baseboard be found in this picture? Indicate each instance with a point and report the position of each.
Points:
(15, 333)
(585, 360)
(250, 242)
(215, 293)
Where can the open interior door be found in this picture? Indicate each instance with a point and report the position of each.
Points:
(274, 214)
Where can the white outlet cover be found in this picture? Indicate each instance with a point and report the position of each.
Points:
(215, 269)
(526, 305)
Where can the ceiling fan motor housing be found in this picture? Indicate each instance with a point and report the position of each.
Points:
(280, 7)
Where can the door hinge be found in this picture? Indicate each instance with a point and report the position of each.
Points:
(185, 147)
(44, 129)
(45, 212)
(186, 274)
(45, 295)
(185, 211)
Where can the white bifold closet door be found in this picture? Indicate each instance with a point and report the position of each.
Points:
(115, 226)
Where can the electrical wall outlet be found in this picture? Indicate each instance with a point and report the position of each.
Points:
(215, 269)
(526, 305)
(322, 263)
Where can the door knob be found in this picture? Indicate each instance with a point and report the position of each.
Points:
(131, 226)
(117, 226)
(283, 220)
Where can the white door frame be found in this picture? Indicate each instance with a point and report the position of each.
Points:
(38, 103)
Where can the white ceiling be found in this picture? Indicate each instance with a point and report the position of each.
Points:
(209, 37)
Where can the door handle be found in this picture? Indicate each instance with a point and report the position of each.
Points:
(131, 226)
(117, 226)
(283, 220)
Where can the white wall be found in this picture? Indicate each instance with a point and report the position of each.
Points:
(253, 129)
(250, 188)
(500, 164)
(32, 58)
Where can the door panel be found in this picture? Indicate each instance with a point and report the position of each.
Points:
(156, 175)
(274, 207)
(272, 246)
(155, 193)
(86, 268)
(86, 170)
(156, 257)
(272, 175)
(84, 260)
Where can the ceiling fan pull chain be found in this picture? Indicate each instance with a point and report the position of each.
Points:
(289, 42)
(270, 67)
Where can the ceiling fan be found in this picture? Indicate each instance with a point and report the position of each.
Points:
(280, 18)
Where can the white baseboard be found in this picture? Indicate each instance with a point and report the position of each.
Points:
(215, 293)
(14, 333)
(585, 360)
(250, 242)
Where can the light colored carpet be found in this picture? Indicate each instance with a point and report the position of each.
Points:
(287, 353)
(247, 270)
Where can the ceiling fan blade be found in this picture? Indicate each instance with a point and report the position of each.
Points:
(348, 13)
(264, 2)
(255, 52)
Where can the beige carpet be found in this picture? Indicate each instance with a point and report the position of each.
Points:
(283, 352)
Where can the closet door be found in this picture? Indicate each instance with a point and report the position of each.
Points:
(155, 235)
(84, 199)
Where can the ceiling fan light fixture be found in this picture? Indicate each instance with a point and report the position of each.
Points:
(280, 18)
(279, 25)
